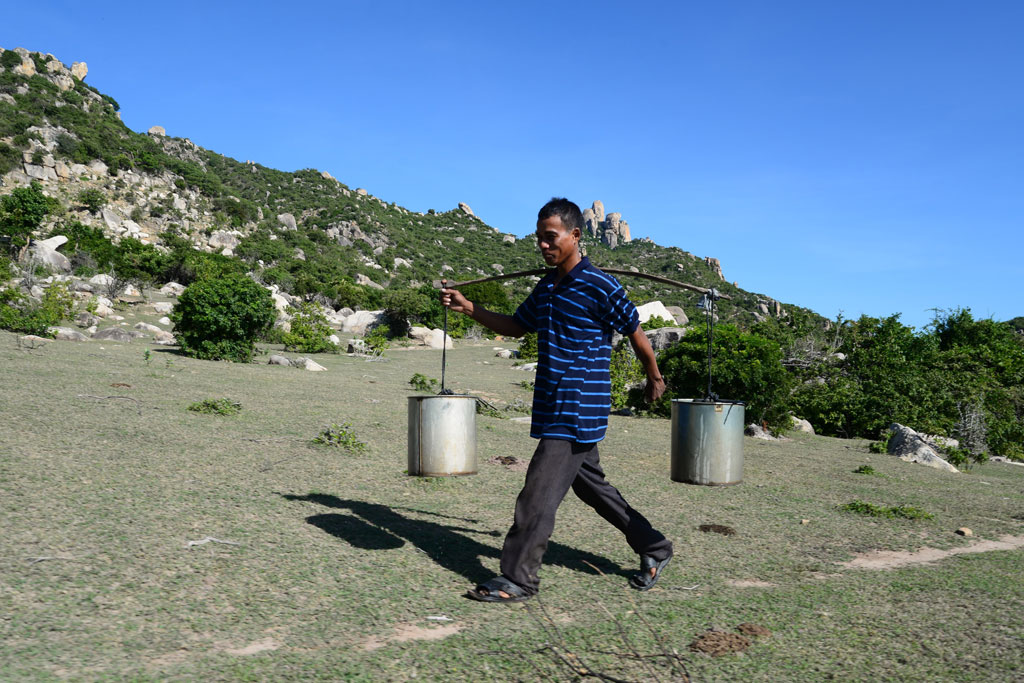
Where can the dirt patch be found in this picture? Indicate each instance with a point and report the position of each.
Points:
(892, 559)
(749, 629)
(404, 633)
(510, 462)
(718, 643)
(717, 529)
(749, 583)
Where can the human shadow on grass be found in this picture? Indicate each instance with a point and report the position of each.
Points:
(373, 526)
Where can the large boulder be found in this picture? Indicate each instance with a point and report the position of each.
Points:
(223, 239)
(679, 314)
(163, 307)
(419, 334)
(113, 334)
(277, 359)
(438, 339)
(664, 337)
(360, 322)
(654, 309)
(172, 289)
(909, 446)
(801, 425)
(46, 252)
(308, 364)
(67, 334)
(164, 337)
(287, 221)
(146, 327)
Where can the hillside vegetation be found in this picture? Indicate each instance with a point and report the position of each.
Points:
(148, 209)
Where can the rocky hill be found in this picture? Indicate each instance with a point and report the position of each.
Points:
(304, 231)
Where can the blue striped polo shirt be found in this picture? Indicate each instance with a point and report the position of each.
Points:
(574, 323)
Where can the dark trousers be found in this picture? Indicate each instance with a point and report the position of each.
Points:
(556, 466)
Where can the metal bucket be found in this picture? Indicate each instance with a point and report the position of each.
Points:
(707, 441)
(442, 435)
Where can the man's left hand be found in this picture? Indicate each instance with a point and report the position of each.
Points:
(654, 389)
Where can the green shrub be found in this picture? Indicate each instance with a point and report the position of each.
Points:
(865, 469)
(340, 436)
(19, 314)
(423, 383)
(746, 367)
(658, 322)
(626, 371)
(528, 346)
(871, 510)
(10, 59)
(310, 331)
(221, 319)
(402, 306)
(216, 406)
(10, 158)
(22, 212)
(377, 339)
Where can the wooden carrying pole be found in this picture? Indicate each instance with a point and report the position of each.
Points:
(614, 271)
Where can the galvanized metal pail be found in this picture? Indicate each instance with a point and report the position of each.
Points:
(442, 435)
(707, 441)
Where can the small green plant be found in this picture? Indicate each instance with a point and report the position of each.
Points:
(658, 322)
(962, 458)
(865, 469)
(880, 446)
(871, 510)
(216, 406)
(527, 384)
(528, 346)
(377, 339)
(147, 356)
(483, 408)
(423, 383)
(92, 199)
(310, 332)
(340, 436)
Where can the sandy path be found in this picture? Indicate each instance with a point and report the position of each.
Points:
(891, 559)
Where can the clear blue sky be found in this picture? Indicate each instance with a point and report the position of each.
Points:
(858, 156)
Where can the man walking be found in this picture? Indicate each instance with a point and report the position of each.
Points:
(574, 310)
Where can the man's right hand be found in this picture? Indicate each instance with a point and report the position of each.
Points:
(453, 299)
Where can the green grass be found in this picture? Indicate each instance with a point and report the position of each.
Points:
(214, 406)
(340, 560)
(871, 510)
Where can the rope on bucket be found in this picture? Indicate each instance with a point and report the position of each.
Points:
(707, 304)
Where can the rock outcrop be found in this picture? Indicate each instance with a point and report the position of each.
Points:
(910, 446)
(610, 228)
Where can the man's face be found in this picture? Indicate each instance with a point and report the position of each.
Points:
(557, 243)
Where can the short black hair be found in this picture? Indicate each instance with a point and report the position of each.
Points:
(567, 212)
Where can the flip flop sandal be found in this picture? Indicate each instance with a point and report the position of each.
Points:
(644, 581)
(488, 592)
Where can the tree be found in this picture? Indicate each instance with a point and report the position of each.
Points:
(21, 214)
(92, 199)
(220, 319)
(309, 331)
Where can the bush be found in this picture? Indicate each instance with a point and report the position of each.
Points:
(401, 307)
(658, 322)
(221, 319)
(340, 436)
(22, 212)
(10, 59)
(528, 346)
(10, 158)
(626, 372)
(423, 383)
(309, 331)
(216, 406)
(19, 314)
(746, 367)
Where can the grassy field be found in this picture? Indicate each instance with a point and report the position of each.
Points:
(339, 566)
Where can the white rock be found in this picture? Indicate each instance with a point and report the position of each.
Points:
(104, 311)
(420, 334)
(101, 280)
(654, 309)
(287, 221)
(164, 337)
(802, 425)
(908, 445)
(113, 334)
(164, 320)
(359, 322)
(758, 432)
(172, 289)
(334, 340)
(309, 364)
(68, 334)
(146, 327)
(505, 353)
(276, 359)
(437, 339)
(664, 337)
(163, 307)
